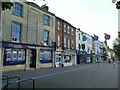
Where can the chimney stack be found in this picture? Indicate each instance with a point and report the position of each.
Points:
(45, 7)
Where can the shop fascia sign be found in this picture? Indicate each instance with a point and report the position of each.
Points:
(41, 48)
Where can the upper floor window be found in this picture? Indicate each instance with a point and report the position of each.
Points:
(59, 26)
(46, 37)
(46, 20)
(65, 27)
(17, 9)
(16, 28)
(68, 29)
(64, 41)
(72, 44)
(59, 40)
(69, 43)
(72, 31)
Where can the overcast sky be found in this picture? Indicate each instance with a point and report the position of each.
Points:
(91, 16)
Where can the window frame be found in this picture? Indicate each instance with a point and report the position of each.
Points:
(46, 21)
(65, 28)
(44, 37)
(68, 29)
(59, 40)
(21, 14)
(12, 35)
(65, 41)
(68, 43)
(59, 25)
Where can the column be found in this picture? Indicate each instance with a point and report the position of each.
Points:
(27, 64)
(53, 58)
(37, 58)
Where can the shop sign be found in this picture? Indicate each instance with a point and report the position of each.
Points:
(45, 61)
(10, 45)
(78, 52)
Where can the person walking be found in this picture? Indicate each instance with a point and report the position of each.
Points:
(113, 61)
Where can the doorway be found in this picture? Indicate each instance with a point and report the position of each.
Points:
(32, 58)
(78, 59)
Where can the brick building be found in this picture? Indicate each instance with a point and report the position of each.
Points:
(65, 37)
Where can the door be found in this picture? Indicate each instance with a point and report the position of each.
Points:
(33, 58)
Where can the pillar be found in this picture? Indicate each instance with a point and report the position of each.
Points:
(27, 64)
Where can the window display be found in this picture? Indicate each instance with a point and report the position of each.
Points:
(45, 57)
(14, 57)
(8, 55)
(20, 56)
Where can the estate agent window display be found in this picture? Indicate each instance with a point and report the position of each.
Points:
(14, 57)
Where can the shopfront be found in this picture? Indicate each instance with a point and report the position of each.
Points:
(58, 59)
(25, 56)
(14, 56)
(69, 58)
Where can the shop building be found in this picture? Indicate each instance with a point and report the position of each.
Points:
(27, 37)
(65, 35)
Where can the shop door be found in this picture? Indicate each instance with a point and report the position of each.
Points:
(33, 58)
(78, 59)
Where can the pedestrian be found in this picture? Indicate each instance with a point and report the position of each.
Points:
(113, 60)
(97, 61)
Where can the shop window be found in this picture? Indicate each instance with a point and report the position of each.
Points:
(58, 57)
(67, 59)
(45, 57)
(14, 57)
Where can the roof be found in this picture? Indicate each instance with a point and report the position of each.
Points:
(38, 7)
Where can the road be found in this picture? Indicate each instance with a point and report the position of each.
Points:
(104, 75)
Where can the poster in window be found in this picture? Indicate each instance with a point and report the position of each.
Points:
(20, 56)
(14, 56)
(8, 54)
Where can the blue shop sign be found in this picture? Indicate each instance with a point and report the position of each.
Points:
(45, 61)
(78, 52)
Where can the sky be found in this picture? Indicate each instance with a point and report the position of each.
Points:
(91, 16)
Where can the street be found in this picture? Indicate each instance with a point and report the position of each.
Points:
(104, 75)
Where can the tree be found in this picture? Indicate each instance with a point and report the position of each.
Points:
(116, 47)
(6, 5)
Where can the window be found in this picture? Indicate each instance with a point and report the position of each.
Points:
(69, 43)
(46, 37)
(46, 20)
(16, 28)
(72, 44)
(17, 9)
(59, 26)
(45, 57)
(14, 57)
(68, 29)
(65, 27)
(64, 42)
(59, 40)
(79, 36)
(72, 31)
